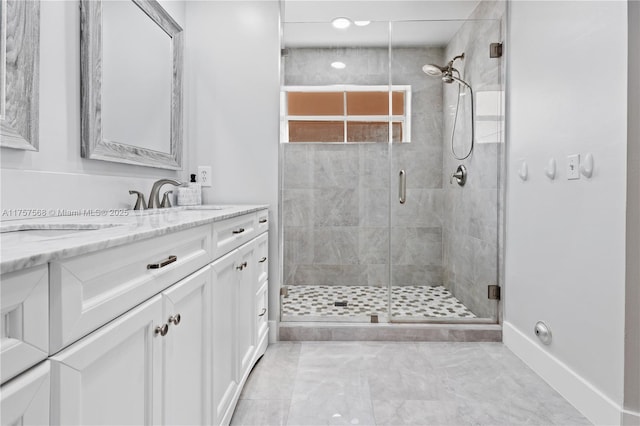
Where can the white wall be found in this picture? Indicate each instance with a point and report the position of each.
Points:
(56, 176)
(565, 240)
(232, 80)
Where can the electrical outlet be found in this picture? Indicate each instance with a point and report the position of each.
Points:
(204, 175)
(573, 167)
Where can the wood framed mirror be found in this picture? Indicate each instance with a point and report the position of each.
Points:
(131, 83)
(19, 73)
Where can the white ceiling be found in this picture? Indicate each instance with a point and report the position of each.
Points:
(307, 23)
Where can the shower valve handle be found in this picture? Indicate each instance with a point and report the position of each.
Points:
(460, 175)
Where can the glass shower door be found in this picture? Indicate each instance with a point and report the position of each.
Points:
(443, 235)
(335, 177)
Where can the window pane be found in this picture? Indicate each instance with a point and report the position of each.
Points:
(368, 103)
(316, 131)
(398, 103)
(397, 132)
(315, 103)
(367, 131)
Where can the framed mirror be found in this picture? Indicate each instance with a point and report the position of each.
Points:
(19, 73)
(131, 83)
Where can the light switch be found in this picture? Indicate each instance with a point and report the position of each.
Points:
(573, 167)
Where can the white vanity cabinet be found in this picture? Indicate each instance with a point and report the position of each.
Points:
(150, 366)
(131, 344)
(235, 335)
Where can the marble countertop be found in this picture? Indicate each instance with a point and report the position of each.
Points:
(29, 242)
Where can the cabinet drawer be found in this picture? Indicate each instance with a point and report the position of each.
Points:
(24, 297)
(262, 310)
(263, 221)
(92, 289)
(262, 258)
(231, 233)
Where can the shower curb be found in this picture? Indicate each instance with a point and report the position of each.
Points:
(308, 331)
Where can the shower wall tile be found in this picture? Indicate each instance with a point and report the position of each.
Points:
(374, 166)
(373, 246)
(374, 207)
(297, 207)
(335, 166)
(329, 275)
(423, 207)
(335, 207)
(335, 245)
(298, 245)
(423, 168)
(416, 246)
(296, 172)
(402, 275)
(377, 275)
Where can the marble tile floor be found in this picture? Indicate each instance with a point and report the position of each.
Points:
(317, 302)
(398, 383)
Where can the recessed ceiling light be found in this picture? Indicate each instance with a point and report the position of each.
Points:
(341, 23)
(362, 23)
(338, 65)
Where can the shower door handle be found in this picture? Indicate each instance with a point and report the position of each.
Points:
(402, 187)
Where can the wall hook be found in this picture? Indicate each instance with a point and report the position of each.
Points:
(586, 166)
(523, 171)
(550, 171)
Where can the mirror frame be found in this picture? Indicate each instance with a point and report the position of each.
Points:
(19, 106)
(93, 145)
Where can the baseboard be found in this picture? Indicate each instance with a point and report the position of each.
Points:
(273, 332)
(591, 402)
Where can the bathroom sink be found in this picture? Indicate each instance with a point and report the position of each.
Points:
(43, 231)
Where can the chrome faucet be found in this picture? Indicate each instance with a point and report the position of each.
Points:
(154, 197)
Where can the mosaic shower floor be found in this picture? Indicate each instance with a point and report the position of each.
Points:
(318, 302)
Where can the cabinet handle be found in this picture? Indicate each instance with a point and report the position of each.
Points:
(262, 221)
(264, 311)
(162, 329)
(175, 319)
(264, 259)
(162, 264)
(239, 231)
(242, 266)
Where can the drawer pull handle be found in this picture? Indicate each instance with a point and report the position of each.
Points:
(264, 311)
(175, 319)
(264, 259)
(162, 329)
(263, 221)
(239, 231)
(162, 264)
(242, 266)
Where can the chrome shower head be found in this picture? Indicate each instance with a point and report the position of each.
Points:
(434, 70)
(446, 72)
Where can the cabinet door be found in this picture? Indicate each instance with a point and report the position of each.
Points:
(24, 320)
(245, 319)
(187, 351)
(112, 376)
(25, 399)
(224, 289)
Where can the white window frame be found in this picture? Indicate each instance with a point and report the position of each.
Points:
(404, 120)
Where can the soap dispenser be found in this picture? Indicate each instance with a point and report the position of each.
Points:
(190, 194)
(196, 189)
